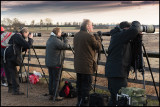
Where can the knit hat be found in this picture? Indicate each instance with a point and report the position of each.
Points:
(124, 24)
(2, 29)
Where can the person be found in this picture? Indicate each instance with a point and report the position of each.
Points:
(85, 46)
(13, 57)
(3, 77)
(119, 57)
(53, 60)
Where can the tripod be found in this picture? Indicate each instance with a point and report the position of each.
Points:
(138, 64)
(59, 76)
(28, 67)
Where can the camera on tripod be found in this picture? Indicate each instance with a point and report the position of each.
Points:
(35, 34)
(67, 34)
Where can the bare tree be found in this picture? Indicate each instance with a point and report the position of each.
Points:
(57, 24)
(17, 24)
(48, 22)
(7, 22)
(32, 23)
(41, 23)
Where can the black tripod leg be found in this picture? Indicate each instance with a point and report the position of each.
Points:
(71, 48)
(59, 79)
(29, 53)
(40, 65)
(151, 72)
(20, 70)
(27, 74)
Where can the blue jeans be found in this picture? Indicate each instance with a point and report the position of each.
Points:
(53, 80)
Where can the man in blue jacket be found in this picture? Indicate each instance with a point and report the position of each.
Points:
(119, 57)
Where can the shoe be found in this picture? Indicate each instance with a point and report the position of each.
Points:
(4, 84)
(9, 90)
(50, 97)
(59, 98)
(18, 93)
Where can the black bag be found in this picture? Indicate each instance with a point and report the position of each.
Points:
(96, 100)
(68, 91)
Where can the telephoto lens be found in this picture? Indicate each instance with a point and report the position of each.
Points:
(148, 28)
(36, 34)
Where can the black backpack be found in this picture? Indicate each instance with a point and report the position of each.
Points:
(68, 91)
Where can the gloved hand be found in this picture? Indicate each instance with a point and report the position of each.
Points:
(96, 36)
(99, 33)
(136, 25)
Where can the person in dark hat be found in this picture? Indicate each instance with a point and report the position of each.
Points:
(13, 58)
(119, 57)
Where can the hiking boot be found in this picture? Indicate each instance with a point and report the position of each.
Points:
(18, 93)
(50, 97)
(59, 98)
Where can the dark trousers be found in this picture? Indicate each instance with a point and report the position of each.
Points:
(83, 86)
(114, 84)
(2, 75)
(12, 76)
(53, 80)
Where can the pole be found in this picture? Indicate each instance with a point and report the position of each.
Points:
(40, 65)
(151, 72)
(29, 53)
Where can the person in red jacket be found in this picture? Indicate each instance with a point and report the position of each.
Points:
(3, 81)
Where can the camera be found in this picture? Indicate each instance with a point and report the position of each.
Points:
(67, 34)
(36, 34)
(148, 28)
(103, 33)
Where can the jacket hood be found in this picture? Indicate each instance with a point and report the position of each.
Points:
(53, 34)
(115, 30)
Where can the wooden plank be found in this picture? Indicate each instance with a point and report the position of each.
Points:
(102, 75)
(150, 54)
(100, 63)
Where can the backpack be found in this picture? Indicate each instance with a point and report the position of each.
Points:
(5, 37)
(96, 99)
(68, 91)
(131, 96)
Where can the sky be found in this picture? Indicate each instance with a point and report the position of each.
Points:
(147, 12)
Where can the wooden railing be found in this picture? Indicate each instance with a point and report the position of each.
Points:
(150, 83)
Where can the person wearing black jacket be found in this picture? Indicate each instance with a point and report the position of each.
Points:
(119, 57)
(13, 58)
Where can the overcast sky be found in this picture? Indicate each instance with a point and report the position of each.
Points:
(147, 12)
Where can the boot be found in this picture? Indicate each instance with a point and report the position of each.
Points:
(79, 101)
(9, 90)
(50, 97)
(17, 93)
(85, 101)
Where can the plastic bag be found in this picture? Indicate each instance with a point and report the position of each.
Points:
(33, 79)
(37, 74)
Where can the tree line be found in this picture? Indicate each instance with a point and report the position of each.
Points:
(15, 24)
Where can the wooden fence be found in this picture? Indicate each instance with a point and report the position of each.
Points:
(150, 54)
